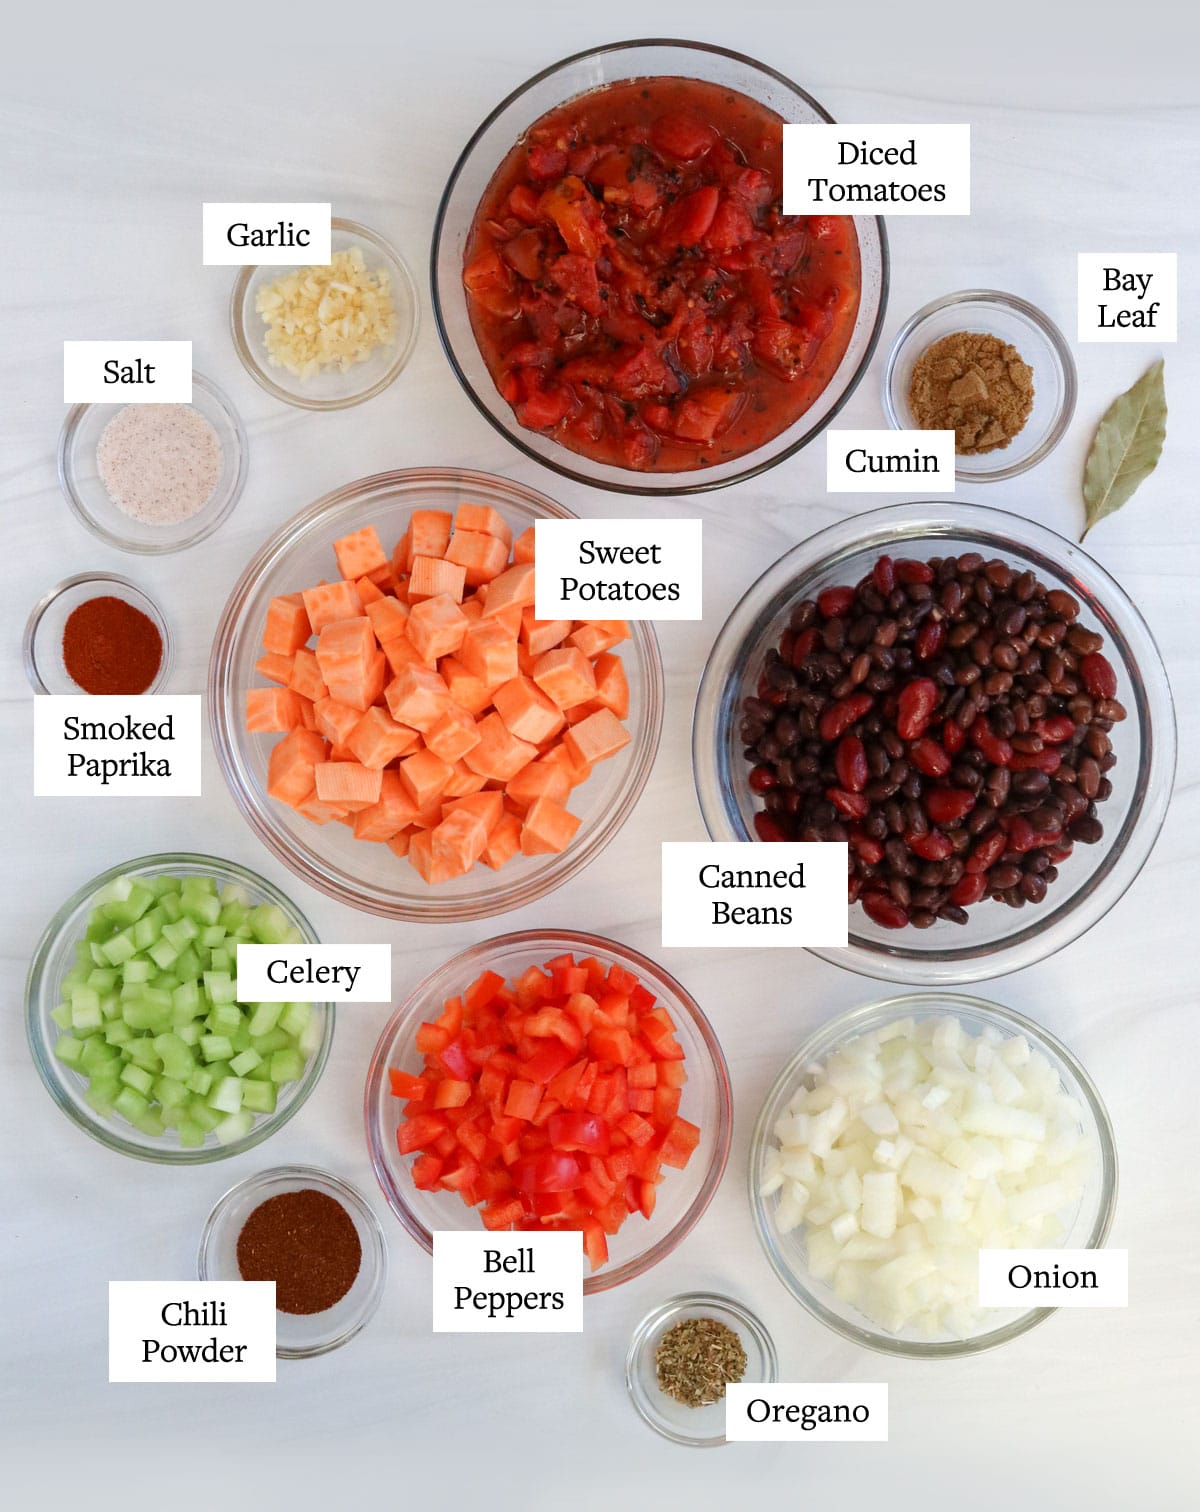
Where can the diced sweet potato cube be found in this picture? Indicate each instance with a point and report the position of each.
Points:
(377, 739)
(336, 721)
(417, 697)
(394, 811)
(509, 616)
(597, 737)
(360, 552)
(454, 734)
(503, 842)
(523, 546)
(612, 686)
(490, 652)
(360, 690)
(291, 764)
(388, 618)
(321, 813)
(566, 676)
(271, 710)
(594, 636)
(577, 770)
(489, 806)
(344, 647)
(402, 556)
(306, 676)
(500, 755)
(548, 828)
(483, 517)
(349, 783)
(429, 532)
(328, 602)
(527, 711)
(481, 556)
(459, 841)
(432, 576)
(287, 627)
(464, 782)
(400, 843)
(275, 668)
(401, 653)
(432, 869)
(514, 586)
(539, 636)
(465, 687)
(368, 591)
(308, 714)
(425, 775)
(436, 627)
(540, 779)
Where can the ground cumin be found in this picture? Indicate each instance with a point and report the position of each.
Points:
(975, 385)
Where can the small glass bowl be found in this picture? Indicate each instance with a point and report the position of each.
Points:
(300, 1336)
(1034, 335)
(707, 1100)
(329, 389)
(995, 938)
(88, 497)
(356, 872)
(55, 955)
(490, 144)
(1088, 1229)
(700, 1427)
(42, 645)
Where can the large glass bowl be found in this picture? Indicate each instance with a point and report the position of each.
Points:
(356, 872)
(683, 1195)
(1087, 1228)
(54, 957)
(996, 938)
(491, 143)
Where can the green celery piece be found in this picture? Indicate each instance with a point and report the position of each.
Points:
(244, 1062)
(269, 923)
(157, 997)
(225, 1018)
(136, 1077)
(235, 1127)
(212, 935)
(68, 1049)
(286, 1065)
(189, 967)
(191, 1135)
(187, 1001)
(181, 933)
(164, 883)
(233, 916)
(171, 1093)
(137, 972)
(220, 959)
(215, 1047)
(234, 892)
(110, 1007)
(259, 1096)
(261, 1072)
(178, 1059)
(103, 979)
(142, 1053)
(274, 1039)
(101, 1096)
(96, 954)
(241, 1038)
(84, 998)
(226, 1096)
(294, 1017)
(97, 1056)
(131, 1104)
(171, 906)
(264, 1017)
(202, 1114)
(163, 954)
(148, 928)
(203, 908)
(61, 1016)
(189, 1033)
(119, 949)
(118, 1032)
(220, 987)
(201, 1081)
(150, 1124)
(86, 1018)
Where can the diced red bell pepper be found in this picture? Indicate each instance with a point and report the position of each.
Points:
(403, 1085)
(579, 1131)
(680, 1140)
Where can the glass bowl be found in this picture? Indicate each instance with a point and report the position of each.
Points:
(683, 1195)
(356, 872)
(1087, 1228)
(473, 172)
(41, 647)
(55, 955)
(996, 938)
(330, 389)
(701, 1427)
(88, 497)
(1036, 338)
(300, 1336)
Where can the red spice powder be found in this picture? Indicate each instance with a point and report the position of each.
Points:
(111, 647)
(305, 1242)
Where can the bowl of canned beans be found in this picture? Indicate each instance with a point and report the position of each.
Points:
(969, 702)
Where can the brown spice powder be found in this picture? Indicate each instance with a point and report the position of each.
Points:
(974, 384)
(305, 1242)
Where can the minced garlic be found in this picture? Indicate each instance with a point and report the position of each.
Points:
(327, 316)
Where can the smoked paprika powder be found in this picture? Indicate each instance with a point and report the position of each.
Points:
(111, 647)
(305, 1242)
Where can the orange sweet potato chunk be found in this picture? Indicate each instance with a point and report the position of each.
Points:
(539, 636)
(489, 806)
(490, 652)
(566, 676)
(394, 811)
(527, 711)
(432, 869)
(503, 842)
(432, 576)
(548, 828)
(464, 782)
(454, 734)
(348, 783)
(336, 721)
(466, 689)
(417, 697)
(360, 689)
(482, 557)
(500, 755)
(513, 588)
(287, 627)
(524, 544)
(344, 647)
(388, 618)
(483, 517)
(540, 779)
(377, 739)
(594, 636)
(425, 775)
(291, 764)
(306, 676)
(612, 686)
(436, 627)
(275, 668)
(429, 532)
(360, 553)
(459, 840)
(597, 737)
(328, 602)
(271, 710)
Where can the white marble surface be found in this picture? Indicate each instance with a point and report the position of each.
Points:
(1082, 141)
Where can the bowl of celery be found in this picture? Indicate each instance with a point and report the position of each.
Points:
(134, 1021)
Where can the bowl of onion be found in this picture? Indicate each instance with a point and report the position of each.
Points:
(905, 1137)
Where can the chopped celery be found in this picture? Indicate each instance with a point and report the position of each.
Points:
(226, 1096)
(286, 1065)
(235, 1127)
(294, 1017)
(269, 923)
(200, 1082)
(69, 1050)
(140, 1080)
(214, 1047)
(224, 1019)
(264, 1017)
(61, 1016)
(219, 986)
(246, 1061)
(258, 1096)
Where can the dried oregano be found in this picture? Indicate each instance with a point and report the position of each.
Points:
(696, 1359)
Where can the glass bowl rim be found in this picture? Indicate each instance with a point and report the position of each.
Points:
(260, 374)
(640, 1339)
(350, 1197)
(839, 1030)
(52, 595)
(551, 939)
(699, 485)
(42, 1051)
(470, 906)
(1018, 537)
(1055, 340)
(210, 522)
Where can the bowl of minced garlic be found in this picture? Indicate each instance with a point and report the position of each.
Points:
(989, 367)
(332, 334)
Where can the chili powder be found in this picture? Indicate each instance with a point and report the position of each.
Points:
(111, 647)
(305, 1242)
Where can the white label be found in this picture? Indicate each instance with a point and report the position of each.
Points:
(877, 170)
(1054, 1278)
(191, 1331)
(618, 569)
(100, 746)
(281, 235)
(110, 372)
(507, 1282)
(735, 893)
(337, 973)
(1128, 296)
(888, 461)
(830, 1412)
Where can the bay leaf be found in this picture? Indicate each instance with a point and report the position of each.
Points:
(1129, 441)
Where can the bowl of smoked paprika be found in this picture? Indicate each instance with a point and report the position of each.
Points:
(97, 633)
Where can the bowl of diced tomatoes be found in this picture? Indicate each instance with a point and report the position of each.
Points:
(397, 725)
(551, 1080)
(616, 285)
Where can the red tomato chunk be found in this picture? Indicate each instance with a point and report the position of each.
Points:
(637, 292)
(551, 1102)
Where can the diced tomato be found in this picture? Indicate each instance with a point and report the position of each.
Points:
(688, 220)
(683, 134)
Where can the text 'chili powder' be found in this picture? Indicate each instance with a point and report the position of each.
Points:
(111, 647)
(305, 1242)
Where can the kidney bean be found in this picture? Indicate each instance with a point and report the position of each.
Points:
(946, 805)
(970, 889)
(1098, 676)
(1033, 888)
(931, 846)
(988, 851)
(839, 716)
(762, 778)
(917, 702)
(850, 763)
(930, 757)
(1056, 729)
(884, 910)
(853, 805)
(1039, 761)
(997, 751)
(767, 828)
